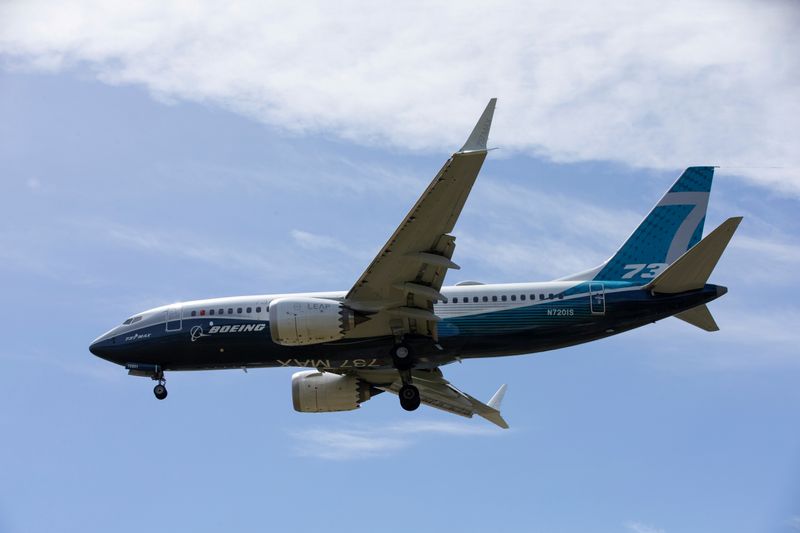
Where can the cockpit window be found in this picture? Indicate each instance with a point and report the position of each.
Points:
(132, 320)
(127, 322)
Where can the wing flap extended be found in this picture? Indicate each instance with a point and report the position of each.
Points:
(437, 392)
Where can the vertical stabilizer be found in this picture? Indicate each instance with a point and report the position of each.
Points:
(673, 226)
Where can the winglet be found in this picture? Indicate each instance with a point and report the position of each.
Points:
(480, 134)
(497, 399)
(491, 410)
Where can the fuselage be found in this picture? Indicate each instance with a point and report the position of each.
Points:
(477, 320)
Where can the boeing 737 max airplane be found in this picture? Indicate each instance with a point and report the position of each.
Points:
(397, 325)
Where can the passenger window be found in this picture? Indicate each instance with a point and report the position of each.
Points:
(533, 297)
(455, 300)
(541, 296)
(211, 312)
(202, 312)
(239, 310)
(503, 297)
(258, 309)
(485, 298)
(230, 310)
(552, 295)
(494, 298)
(513, 297)
(475, 299)
(249, 309)
(194, 313)
(560, 296)
(222, 311)
(522, 297)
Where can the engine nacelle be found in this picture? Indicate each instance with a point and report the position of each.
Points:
(314, 391)
(301, 321)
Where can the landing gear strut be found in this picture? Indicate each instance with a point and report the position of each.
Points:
(403, 361)
(160, 390)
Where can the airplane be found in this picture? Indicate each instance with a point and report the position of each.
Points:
(395, 328)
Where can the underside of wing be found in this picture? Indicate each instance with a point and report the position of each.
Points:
(437, 392)
(398, 289)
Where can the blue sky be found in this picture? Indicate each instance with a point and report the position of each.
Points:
(145, 160)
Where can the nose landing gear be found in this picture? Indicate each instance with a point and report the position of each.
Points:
(160, 391)
(154, 372)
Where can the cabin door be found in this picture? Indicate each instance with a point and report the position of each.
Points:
(597, 299)
(174, 321)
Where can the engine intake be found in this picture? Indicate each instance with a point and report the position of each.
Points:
(301, 321)
(324, 392)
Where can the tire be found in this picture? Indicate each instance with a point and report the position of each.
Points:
(160, 391)
(409, 397)
(402, 357)
(401, 351)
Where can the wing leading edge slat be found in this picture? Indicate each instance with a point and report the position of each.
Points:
(409, 270)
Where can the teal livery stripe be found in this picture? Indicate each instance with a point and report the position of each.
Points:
(573, 310)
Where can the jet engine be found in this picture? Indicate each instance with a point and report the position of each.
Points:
(301, 321)
(314, 391)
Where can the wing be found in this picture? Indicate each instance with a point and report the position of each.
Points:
(402, 283)
(437, 392)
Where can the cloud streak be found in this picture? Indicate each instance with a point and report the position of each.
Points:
(346, 444)
(644, 83)
(638, 527)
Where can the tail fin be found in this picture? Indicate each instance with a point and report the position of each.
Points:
(673, 226)
(700, 317)
(692, 269)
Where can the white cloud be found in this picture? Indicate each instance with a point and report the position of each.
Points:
(777, 251)
(638, 527)
(372, 441)
(649, 83)
(534, 235)
(187, 246)
(315, 242)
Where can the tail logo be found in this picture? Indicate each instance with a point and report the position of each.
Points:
(653, 270)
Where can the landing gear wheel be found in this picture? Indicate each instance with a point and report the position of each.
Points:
(409, 397)
(401, 356)
(160, 391)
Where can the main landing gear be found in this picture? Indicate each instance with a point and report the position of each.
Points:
(409, 397)
(409, 394)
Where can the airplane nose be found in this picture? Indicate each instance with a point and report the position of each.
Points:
(721, 290)
(102, 347)
(95, 348)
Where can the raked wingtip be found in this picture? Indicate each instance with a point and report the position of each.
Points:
(480, 133)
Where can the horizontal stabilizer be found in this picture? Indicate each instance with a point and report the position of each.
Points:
(699, 316)
(692, 270)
